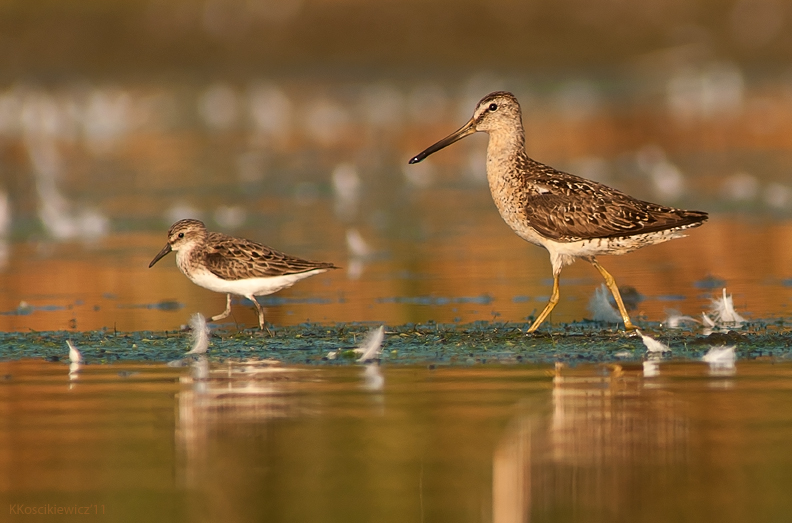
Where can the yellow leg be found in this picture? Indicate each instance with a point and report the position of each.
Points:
(611, 283)
(550, 305)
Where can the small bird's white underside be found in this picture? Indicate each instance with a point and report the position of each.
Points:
(248, 286)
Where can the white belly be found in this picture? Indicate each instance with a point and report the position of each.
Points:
(250, 286)
(563, 254)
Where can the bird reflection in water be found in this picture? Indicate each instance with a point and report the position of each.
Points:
(223, 398)
(579, 451)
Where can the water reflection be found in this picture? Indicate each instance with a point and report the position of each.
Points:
(372, 377)
(619, 446)
(651, 367)
(502, 443)
(330, 442)
(231, 394)
(511, 472)
(721, 361)
(581, 463)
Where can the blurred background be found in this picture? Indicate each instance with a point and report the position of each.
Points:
(290, 122)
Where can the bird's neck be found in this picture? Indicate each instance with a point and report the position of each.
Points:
(505, 157)
(189, 257)
(505, 149)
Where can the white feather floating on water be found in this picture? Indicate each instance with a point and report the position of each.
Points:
(721, 316)
(371, 345)
(722, 310)
(74, 353)
(601, 308)
(721, 355)
(199, 334)
(199, 338)
(369, 348)
(75, 358)
(652, 345)
(674, 319)
(721, 360)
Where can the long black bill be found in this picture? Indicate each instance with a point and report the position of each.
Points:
(468, 128)
(165, 250)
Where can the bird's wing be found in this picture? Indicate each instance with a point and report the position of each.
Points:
(234, 258)
(567, 208)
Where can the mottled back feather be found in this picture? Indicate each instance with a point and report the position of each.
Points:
(568, 208)
(234, 258)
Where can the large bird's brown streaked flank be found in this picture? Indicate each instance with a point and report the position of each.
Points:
(232, 265)
(569, 216)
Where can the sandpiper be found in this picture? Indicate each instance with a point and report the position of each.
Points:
(568, 215)
(232, 265)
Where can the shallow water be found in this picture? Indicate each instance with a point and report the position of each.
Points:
(457, 272)
(96, 173)
(252, 441)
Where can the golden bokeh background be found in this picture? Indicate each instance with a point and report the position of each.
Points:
(290, 122)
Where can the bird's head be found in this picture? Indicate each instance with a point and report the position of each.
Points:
(182, 235)
(498, 110)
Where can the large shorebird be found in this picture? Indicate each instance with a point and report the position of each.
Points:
(568, 215)
(232, 265)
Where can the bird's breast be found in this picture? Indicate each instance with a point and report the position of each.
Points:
(510, 198)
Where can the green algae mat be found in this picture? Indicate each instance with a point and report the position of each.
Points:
(410, 344)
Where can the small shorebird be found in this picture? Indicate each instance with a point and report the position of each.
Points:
(232, 265)
(569, 216)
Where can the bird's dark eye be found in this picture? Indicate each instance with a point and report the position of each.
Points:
(493, 107)
(181, 235)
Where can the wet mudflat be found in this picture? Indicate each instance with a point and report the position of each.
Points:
(249, 439)
(414, 344)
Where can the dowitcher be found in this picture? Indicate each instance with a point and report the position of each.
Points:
(568, 215)
(232, 265)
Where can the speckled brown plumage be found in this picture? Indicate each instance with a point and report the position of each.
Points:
(232, 265)
(568, 215)
(233, 258)
(568, 208)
